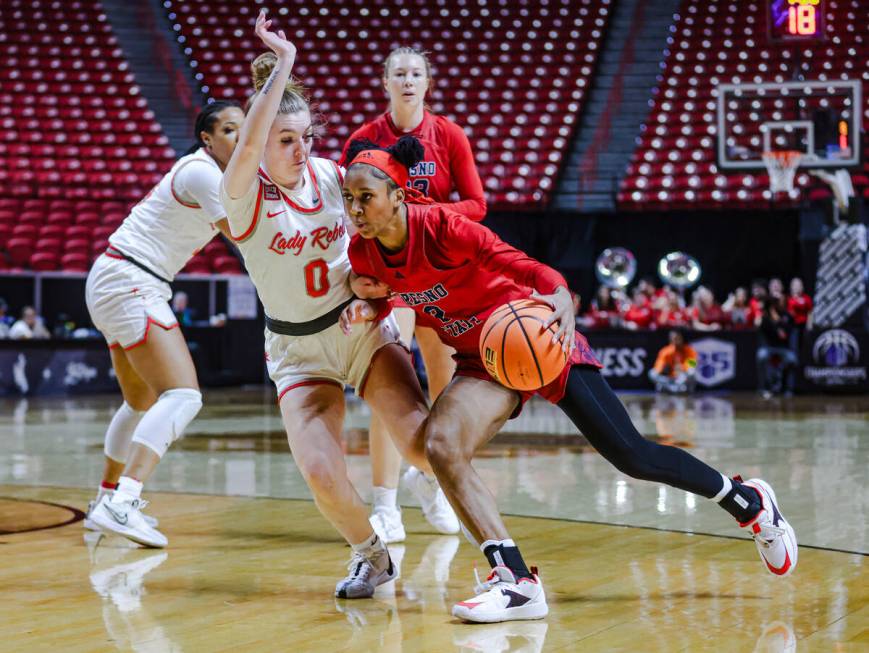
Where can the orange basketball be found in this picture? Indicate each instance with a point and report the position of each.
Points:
(516, 350)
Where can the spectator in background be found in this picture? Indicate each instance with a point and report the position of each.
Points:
(676, 365)
(739, 312)
(776, 361)
(29, 327)
(5, 320)
(706, 315)
(799, 307)
(776, 288)
(639, 314)
(603, 312)
(673, 314)
(647, 286)
(181, 308)
(758, 295)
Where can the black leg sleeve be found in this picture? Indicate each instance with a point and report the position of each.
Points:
(593, 407)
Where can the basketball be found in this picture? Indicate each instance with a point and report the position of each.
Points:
(516, 349)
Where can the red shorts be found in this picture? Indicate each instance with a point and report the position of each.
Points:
(554, 392)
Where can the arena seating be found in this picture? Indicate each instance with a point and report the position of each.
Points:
(674, 163)
(78, 145)
(514, 75)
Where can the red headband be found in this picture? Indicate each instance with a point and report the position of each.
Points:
(384, 161)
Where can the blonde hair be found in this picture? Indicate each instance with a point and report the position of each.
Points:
(294, 98)
(405, 49)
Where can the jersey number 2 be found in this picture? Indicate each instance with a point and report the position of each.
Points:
(317, 278)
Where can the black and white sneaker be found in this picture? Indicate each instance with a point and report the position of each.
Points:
(365, 575)
(503, 598)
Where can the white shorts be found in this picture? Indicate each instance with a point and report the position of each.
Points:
(124, 301)
(328, 356)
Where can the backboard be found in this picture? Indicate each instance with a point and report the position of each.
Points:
(820, 119)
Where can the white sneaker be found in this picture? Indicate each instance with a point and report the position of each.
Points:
(501, 598)
(387, 524)
(435, 507)
(121, 514)
(516, 637)
(775, 538)
(365, 575)
(89, 524)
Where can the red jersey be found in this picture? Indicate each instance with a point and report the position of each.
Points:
(639, 315)
(677, 318)
(454, 273)
(448, 164)
(799, 308)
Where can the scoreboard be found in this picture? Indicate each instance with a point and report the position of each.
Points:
(796, 20)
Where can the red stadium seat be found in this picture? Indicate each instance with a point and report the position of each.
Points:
(20, 250)
(44, 261)
(227, 265)
(75, 262)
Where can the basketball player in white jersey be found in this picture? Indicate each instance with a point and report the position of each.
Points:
(286, 214)
(127, 295)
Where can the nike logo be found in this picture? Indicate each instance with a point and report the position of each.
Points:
(516, 599)
(399, 275)
(271, 215)
(776, 515)
(120, 517)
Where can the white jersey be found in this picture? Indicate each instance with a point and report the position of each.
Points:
(176, 219)
(294, 242)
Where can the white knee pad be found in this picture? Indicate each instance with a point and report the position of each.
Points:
(120, 432)
(166, 420)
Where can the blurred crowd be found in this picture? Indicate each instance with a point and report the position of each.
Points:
(779, 318)
(29, 325)
(647, 306)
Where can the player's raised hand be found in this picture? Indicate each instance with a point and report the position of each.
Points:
(277, 42)
(359, 310)
(564, 313)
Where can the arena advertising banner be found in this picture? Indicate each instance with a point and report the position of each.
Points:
(725, 359)
(835, 360)
(42, 369)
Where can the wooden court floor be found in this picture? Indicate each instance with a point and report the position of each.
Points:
(251, 565)
(256, 574)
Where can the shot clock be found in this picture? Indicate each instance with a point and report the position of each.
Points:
(796, 20)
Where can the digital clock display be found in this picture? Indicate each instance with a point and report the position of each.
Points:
(799, 20)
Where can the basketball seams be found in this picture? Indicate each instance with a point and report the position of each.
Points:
(527, 341)
(544, 355)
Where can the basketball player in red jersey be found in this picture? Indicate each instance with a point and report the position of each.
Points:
(455, 273)
(448, 167)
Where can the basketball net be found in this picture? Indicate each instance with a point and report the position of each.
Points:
(781, 166)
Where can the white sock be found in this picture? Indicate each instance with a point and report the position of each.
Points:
(370, 546)
(385, 498)
(101, 492)
(724, 491)
(128, 488)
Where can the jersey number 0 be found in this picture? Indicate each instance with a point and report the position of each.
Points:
(317, 278)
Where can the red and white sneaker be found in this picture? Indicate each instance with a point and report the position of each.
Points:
(502, 598)
(775, 538)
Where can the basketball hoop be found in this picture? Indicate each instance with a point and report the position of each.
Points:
(781, 166)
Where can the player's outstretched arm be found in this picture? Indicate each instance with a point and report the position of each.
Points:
(241, 170)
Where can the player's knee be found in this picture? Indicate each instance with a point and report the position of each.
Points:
(443, 449)
(319, 474)
(168, 418)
